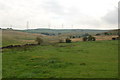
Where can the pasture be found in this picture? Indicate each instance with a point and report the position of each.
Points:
(10, 37)
(97, 59)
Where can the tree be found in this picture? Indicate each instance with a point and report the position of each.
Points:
(90, 38)
(39, 40)
(93, 39)
(73, 36)
(68, 40)
(84, 38)
(106, 33)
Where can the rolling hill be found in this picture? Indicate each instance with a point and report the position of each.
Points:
(11, 37)
(15, 37)
(64, 31)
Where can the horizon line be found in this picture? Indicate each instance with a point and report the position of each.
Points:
(62, 28)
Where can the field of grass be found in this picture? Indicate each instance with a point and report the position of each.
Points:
(10, 37)
(97, 59)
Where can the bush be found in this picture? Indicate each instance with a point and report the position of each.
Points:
(93, 39)
(84, 38)
(73, 36)
(113, 38)
(39, 40)
(106, 33)
(89, 38)
(68, 40)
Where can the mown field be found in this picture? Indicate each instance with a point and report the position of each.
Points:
(97, 59)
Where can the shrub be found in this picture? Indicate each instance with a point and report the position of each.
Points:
(84, 38)
(73, 36)
(93, 39)
(39, 40)
(113, 38)
(68, 40)
(90, 38)
(106, 33)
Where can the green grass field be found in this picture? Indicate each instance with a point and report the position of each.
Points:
(64, 60)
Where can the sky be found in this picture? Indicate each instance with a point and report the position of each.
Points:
(59, 14)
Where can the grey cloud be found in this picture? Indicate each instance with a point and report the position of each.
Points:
(42, 12)
(111, 17)
(53, 6)
(3, 6)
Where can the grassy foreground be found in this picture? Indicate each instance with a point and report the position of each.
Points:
(73, 60)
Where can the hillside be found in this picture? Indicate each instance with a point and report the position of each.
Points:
(15, 37)
(116, 31)
(64, 31)
(11, 37)
(61, 60)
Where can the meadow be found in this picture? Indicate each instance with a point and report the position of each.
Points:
(11, 37)
(98, 59)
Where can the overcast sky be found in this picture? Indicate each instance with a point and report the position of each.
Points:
(74, 14)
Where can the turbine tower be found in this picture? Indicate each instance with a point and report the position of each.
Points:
(49, 25)
(27, 25)
(72, 26)
(62, 26)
